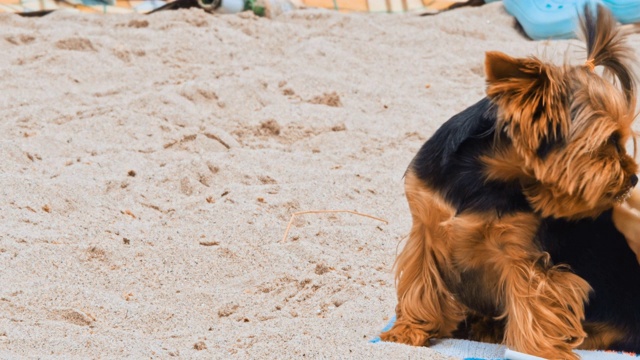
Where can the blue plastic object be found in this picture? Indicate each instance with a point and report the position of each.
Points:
(547, 19)
(625, 11)
(558, 19)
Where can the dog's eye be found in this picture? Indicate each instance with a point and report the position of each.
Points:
(614, 140)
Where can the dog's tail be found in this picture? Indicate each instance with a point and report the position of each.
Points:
(606, 47)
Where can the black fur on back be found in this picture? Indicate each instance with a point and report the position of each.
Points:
(449, 163)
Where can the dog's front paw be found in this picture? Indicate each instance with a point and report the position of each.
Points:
(410, 334)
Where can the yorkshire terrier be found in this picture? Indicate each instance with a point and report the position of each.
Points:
(521, 225)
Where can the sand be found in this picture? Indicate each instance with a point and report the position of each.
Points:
(150, 164)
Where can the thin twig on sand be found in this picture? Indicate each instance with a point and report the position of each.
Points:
(293, 216)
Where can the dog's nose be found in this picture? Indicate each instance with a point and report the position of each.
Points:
(634, 180)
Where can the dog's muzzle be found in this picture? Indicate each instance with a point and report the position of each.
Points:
(623, 196)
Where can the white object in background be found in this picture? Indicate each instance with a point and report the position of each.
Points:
(273, 8)
(230, 7)
(514, 355)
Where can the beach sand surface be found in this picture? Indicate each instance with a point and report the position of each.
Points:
(150, 165)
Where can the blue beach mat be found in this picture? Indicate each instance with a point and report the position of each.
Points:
(558, 19)
(472, 350)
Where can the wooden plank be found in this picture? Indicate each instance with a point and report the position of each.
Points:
(352, 5)
(414, 4)
(377, 5)
(395, 6)
(349, 5)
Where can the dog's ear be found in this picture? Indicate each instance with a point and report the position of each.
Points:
(502, 67)
(529, 95)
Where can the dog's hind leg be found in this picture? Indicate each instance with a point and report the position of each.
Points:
(426, 309)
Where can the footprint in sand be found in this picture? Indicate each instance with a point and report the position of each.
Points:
(75, 43)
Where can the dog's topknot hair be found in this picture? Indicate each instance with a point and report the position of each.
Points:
(606, 47)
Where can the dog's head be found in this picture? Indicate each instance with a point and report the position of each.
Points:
(567, 125)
